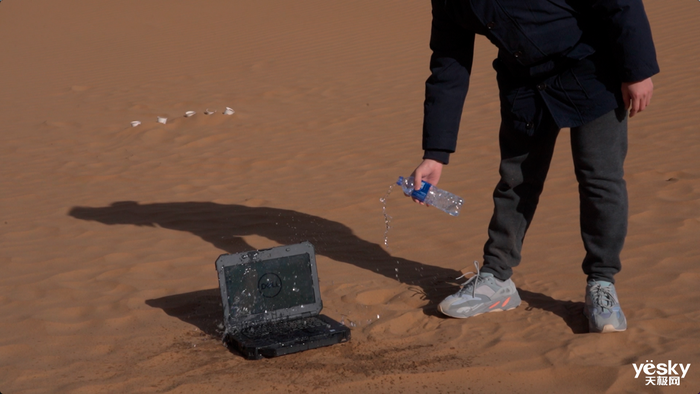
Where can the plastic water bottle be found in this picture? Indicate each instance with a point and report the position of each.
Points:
(432, 196)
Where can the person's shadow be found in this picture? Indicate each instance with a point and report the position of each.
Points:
(224, 226)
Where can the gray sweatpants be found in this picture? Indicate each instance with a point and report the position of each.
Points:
(599, 149)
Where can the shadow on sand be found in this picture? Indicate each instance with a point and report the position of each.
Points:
(224, 226)
(570, 311)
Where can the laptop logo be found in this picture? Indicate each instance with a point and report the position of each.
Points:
(269, 285)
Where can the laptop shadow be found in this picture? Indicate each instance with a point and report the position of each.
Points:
(201, 309)
(225, 225)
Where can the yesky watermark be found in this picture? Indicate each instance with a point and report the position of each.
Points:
(661, 374)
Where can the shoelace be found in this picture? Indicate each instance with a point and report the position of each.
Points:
(473, 281)
(602, 296)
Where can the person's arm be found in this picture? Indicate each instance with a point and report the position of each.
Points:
(446, 88)
(445, 91)
(628, 29)
(633, 47)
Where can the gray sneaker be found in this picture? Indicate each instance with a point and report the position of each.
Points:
(482, 293)
(603, 308)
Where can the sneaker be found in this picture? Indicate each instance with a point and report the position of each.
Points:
(480, 294)
(603, 308)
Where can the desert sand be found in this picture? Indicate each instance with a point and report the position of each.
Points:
(109, 232)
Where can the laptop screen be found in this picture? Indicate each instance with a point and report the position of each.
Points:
(269, 285)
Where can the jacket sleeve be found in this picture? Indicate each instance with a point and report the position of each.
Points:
(628, 29)
(446, 88)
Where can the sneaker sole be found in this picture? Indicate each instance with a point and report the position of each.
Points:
(608, 328)
(476, 314)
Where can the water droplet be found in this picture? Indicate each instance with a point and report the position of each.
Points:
(387, 218)
(377, 316)
(294, 289)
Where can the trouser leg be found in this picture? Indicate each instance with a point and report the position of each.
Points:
(599, 149)
(524, 165)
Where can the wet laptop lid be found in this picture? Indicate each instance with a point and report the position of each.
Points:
(269, 285)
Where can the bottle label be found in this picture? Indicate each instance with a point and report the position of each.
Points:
(421, 194)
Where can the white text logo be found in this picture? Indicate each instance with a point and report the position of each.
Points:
(661, 374)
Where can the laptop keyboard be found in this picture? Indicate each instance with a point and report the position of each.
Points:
(284, 328)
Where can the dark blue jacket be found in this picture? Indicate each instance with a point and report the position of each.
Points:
(560, 61)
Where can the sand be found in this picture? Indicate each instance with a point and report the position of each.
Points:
(110, 232)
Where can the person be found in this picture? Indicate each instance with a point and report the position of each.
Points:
(579, 64)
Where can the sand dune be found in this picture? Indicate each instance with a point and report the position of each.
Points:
(110, 232)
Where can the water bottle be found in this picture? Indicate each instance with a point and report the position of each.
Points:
(432, 196)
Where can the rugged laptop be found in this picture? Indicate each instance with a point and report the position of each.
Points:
(272, 302)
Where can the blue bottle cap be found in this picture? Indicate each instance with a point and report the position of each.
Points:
(422, 193)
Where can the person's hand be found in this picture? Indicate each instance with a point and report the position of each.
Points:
(428, 171)
(637, 95)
